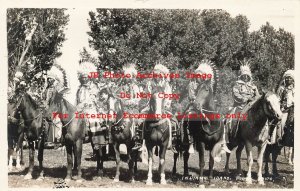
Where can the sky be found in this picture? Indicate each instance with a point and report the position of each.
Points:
(280, 16)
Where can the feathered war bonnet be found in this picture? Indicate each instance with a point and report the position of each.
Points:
(245, 70)
(129, 69)
(288, 73)
(59, 74)
(85, 68)
(206, 67)
(161, 69)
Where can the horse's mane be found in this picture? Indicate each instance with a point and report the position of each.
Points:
(31, 100)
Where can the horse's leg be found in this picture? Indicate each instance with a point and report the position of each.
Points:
(267, 153)
(20, 151)
(135, 162)
(291, 155)
(175, 157)
(162, 154)
(238, 160)
(31, 161)
(130, 164)
(275, 153)
(250, 162)
(118, 159)
(211, 167)
(19, 159)
(10, 159)
(186, 156)
(227, 164)
(99, 157)
(69, 148)
(150, 163)
(40, 158)
(261, 150)
(77, 157)
(201, 162)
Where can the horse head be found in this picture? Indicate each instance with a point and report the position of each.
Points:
(156, 102)
(204, 96)
(272, 105)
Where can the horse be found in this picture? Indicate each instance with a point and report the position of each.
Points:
(286, 138)
(156, 133)
(207, 133)
(15, 136)
(252, 132)
(35, 131)
(122, 133)
(73, 132)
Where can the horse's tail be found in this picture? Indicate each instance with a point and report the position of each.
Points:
(156, 151)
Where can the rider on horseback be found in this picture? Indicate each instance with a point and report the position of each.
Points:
(286, 93)
(163, 84)
(56, 81)
(87, 102)
(130, 104)
(244, 93)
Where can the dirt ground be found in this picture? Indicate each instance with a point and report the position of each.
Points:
(55, 169)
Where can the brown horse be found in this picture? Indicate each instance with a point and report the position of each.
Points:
(15, 135)
(286, 139)
(73, 132)
(207, 128)
(156, 133)
(251, 132)
(35, 131)
(122, 133)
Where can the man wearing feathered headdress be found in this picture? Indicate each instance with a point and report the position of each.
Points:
(56, 82)
(203, 68)
(244, 90)
(163, 83)
(244, 93)
(286, 91)
(129, 86)
(87, 102)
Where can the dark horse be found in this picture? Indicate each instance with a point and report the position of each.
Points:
(122, 133)
(73, 132)
(287, 139)
(207, 128)
(252, 132)
(156, 133)
(35, 131)
(15, 135)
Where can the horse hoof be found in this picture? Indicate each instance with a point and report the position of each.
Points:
(149, 182)
(116, 180)
(19, 167)
(201, 186)
(163, 182)
(67, 179)
(97, 178)
(132, 181)
(261, 182)
(40, 178)
(79, 180)
(248, 180)
(28, 177)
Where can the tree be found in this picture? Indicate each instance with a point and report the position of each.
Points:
(34, 38)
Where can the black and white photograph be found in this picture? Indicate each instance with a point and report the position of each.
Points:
(150, 97)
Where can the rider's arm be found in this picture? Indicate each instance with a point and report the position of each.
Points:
(237, 94)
